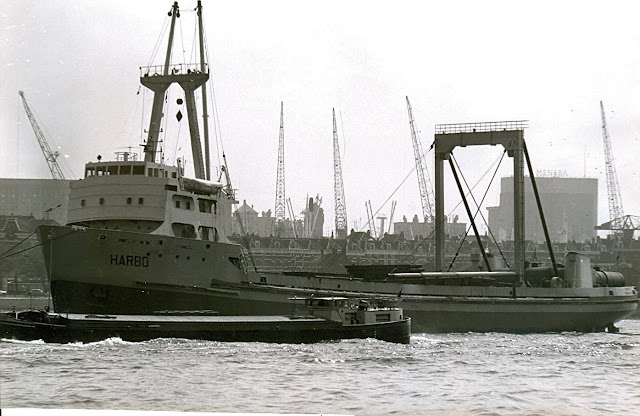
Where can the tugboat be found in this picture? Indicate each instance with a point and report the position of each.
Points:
(324, 319)
(142, 239)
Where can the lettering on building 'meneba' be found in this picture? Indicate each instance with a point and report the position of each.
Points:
(134, 261)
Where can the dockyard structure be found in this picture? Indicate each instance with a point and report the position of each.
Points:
(40, 198)
(419, 229)
(570, 207)
(247, 221)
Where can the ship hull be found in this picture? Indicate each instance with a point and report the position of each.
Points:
(135, 328)
(185, 275)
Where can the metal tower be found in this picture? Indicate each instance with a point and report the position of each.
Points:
(280, 195)
(158, 79)
(616, 212)
(338, 187)
(426, 192)
(50, 157)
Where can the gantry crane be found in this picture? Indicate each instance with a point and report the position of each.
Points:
(280, 194)
(426, 193)
(49, 155)
(338, 186)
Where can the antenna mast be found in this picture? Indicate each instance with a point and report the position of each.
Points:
(338, 187)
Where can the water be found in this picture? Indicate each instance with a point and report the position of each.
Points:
(569, 373)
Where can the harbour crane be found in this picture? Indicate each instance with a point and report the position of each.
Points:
(625, 224)
(338, 186)
(426, 193)
(50, 156)
(280, 190)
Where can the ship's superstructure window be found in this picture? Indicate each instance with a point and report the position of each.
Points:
(174, 175)
(101, 170)
(178, 204)
(208, 233)
(82, 203)
(89, 172)
(101, 201)
(205, 205)
(125, 170)
(140, 201)
(183, 230)
(138, 170)
(112, 170)
(188, 205)
(129, 201)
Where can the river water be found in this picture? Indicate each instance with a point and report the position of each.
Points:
(470, 373)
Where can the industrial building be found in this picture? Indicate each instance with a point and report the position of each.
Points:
(570, 208)
(40, 198)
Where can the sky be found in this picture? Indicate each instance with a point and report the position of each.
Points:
(458, 61)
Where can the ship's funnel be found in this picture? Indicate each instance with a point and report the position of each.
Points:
(578, 270)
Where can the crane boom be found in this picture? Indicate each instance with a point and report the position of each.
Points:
(616, 212)
(426, 197)
(280, 189)
(50, 156)
(338, 186)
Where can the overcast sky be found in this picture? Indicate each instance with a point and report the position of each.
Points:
(546, 62)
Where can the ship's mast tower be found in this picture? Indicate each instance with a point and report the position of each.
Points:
(280, 194)
(338, 186)
(158, 79)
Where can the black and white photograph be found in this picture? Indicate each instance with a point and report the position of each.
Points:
(319, 208)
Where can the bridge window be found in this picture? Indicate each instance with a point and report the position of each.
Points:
(138, 170)
(112, 170)
(89, 172)
(125, 170)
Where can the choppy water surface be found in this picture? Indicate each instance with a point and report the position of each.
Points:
(569, 373)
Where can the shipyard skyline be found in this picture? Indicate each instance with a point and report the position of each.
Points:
(76, 64)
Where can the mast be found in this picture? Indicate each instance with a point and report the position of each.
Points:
(159, 90)
(205, 115)
(158, 79)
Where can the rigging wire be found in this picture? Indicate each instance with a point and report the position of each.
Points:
(156, 47)
(478, 207)
(482, 201)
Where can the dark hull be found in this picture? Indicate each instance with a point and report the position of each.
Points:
(60, 329)
(429, 314)
(187, 275)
